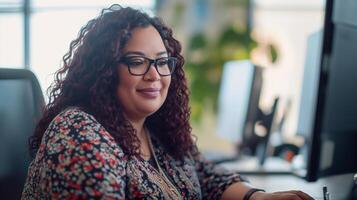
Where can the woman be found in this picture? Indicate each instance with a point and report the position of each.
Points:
(117, 123)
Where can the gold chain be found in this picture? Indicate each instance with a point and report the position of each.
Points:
(173, 193)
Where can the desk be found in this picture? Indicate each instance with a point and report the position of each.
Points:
(338, 186)
(250, 165)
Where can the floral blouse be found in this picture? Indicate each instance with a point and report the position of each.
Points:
(79, 159)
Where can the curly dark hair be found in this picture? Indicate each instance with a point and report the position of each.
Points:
(88, 79)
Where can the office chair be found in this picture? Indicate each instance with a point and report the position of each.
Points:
(21, 102)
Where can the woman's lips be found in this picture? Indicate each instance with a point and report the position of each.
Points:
(149, 92)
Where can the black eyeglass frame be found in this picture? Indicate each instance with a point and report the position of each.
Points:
(124, 60)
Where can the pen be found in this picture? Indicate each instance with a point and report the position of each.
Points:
(326, 194)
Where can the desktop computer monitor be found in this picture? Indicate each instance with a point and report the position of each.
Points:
(308, 97)
(332, 135)
(238, 108)
(234, 103)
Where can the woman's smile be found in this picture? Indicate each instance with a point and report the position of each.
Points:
(149, 92)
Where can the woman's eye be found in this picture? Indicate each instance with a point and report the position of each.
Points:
(135, 62)
(162, 62)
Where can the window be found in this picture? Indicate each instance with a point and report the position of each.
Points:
(11, 34)
(54, 24)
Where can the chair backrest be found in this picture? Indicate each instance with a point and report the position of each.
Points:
(21, 103)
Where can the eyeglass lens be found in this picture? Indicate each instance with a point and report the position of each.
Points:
(140, 65)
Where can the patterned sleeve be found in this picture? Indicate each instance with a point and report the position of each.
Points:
(82, 159)
(214, 179)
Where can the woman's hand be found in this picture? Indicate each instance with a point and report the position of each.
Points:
(239, 189)
(284, 195)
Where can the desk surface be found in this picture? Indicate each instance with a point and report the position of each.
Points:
(338, 186)
(251, 165)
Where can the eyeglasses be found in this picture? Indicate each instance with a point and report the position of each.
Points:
(139, 65)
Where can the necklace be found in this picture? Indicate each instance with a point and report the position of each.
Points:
(172, 192)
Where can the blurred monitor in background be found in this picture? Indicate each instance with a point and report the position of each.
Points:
(310, 82)
(238, 100)
(239, 114)
(309, 92)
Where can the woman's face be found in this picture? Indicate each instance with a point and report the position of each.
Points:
(142, 95)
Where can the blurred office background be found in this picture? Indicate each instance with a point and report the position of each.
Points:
(272, 34)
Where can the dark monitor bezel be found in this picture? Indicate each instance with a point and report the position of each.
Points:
(314, 142)
(319, 136)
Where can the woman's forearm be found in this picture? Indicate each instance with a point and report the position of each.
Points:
(236, 191)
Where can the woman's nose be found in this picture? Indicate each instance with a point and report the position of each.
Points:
(152, 74)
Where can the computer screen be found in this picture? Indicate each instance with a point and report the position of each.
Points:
(332, 142)
(238, 108)
(308, 97)
(234, 101)
(231, 113)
